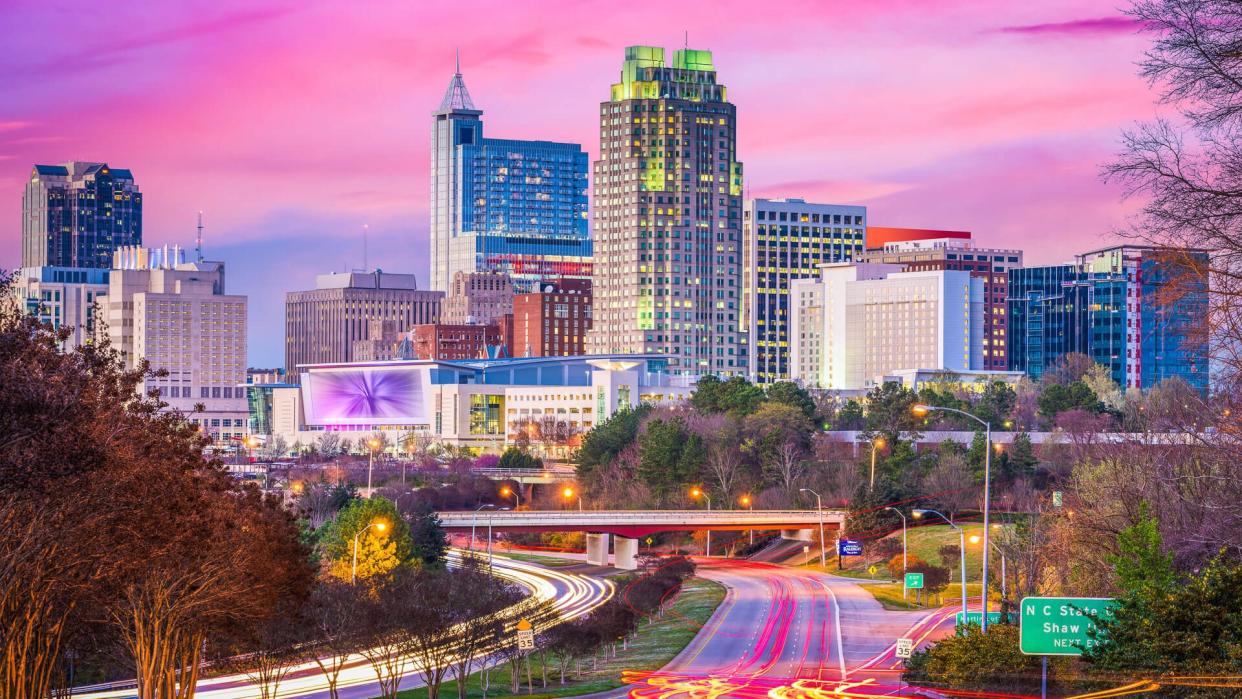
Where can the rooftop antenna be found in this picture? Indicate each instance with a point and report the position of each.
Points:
(198, 239)
(457, 66)
(364, 247)
(687, 44)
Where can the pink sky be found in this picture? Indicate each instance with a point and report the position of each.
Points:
(291, 125)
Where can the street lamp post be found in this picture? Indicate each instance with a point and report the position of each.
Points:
(819, 506)
(372, 444)
(746, 501)
(515, 492)
(568, 493)
(698, 492)
(474, 520)
(380, 525)
(489, 535)
(877, 443)
(904, 559)
(987, 492)
(974, 539)
(961, 549)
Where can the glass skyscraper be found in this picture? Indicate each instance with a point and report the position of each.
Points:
(668, 216)
(1136, 310)
(76, 214)
(504, 205)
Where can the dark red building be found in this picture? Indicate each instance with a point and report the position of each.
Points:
(553, 321)
(443, 341)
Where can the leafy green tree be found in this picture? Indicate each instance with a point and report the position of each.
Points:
(976, 456)
(972, 660)
(608, 439)
(996, 404)
(1058, 398)
(790, 393)
(428, 541)
(1167, 625)
(1022, 459)
(851, 416)
(379, 551)
(670, 458)
(889, 410)
(514, 458)
(734, 395)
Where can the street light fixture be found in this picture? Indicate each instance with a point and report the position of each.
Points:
(474, 520)
(698, 493)
(877, 443)
(380, 526)
(987, 491)
(974, 539)
(569, 494)
(819, 506)
(506, 491)
(904, 559)
(919, 514)
(746, 502)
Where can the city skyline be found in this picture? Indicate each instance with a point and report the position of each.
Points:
(958, 116)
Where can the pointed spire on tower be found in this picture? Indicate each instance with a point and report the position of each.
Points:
(456, 96)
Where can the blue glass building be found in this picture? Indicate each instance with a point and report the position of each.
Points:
(504, 205)
(1136, 310)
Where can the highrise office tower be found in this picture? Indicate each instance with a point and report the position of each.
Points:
(786, 240)
(76, 214)
(477, 298)
(177, 316)
(322, 324)
(502, 205)
(1139, 311)
(668, 216)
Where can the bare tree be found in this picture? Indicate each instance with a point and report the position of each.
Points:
(334, 612)
(786, 466)
(724, 465)
(479, 600)
(950, 484)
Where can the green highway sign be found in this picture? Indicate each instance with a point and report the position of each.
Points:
(1061, 625)
(976, 618)
(914, 581)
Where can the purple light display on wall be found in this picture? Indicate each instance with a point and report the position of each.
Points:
(365, 396)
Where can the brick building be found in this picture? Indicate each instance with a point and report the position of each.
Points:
(553, 321)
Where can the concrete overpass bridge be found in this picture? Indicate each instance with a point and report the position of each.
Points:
(526, 476)
(628, 526)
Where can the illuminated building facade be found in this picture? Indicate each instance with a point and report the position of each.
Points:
(503, 205)
(786, 240)
(76, 214)
(668, 216)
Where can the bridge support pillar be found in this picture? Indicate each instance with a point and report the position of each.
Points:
(797, 534)
(597, 549)
(625, 551)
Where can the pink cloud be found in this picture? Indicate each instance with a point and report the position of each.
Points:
(1078, 27)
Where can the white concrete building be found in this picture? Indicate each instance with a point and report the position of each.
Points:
(177, 316)
(62, 296)
(874, 320)
(482, 404)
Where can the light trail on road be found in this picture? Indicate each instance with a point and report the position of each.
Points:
(572, 596)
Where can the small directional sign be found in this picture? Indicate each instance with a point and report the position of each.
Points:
(1057, 498)
(525, 635)
(872, 570)
(905, 648)
(914, 581)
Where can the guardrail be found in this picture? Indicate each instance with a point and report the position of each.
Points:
(659, 519)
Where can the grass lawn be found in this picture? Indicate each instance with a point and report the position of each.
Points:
(653, 646)
(924, 542)
(889, 595)
(549, 561)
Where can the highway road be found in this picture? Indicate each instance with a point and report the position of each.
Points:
(785, 632)
(574, 595)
